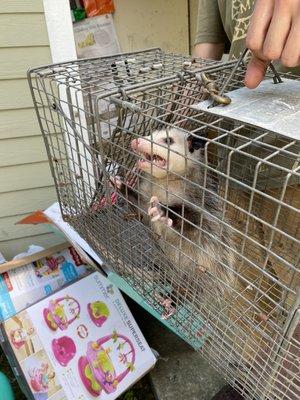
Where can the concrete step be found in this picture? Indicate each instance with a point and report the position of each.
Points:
(180, 373)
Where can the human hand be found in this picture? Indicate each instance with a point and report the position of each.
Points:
(273, 34)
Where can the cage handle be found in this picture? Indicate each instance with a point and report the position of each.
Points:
(276, 78)
(221, 99)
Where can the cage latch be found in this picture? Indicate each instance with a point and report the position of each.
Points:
(125, 103)
(212, 89)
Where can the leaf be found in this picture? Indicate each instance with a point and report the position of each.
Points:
(114, 336)
(130, 366)
(120, 346)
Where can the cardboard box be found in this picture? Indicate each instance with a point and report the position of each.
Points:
(96, 37)
(79, 343)
(29, 279)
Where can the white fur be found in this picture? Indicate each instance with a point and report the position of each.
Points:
(176, 155)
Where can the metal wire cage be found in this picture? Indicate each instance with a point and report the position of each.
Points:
(198, 213)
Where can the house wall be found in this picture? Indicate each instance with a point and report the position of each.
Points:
(25, 180)
(142, 24)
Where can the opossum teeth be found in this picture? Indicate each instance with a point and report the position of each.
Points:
(158, 160)
(154, 158)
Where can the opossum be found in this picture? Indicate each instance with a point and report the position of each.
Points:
(185, 218)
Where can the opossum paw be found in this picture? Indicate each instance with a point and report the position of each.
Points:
(168, 313)
(115, 181)
(169, 309)
(262, 317)
(154, 202)
(156, 212)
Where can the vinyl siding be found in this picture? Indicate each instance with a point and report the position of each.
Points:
(21, 6)
(24, 125)
(22, 150)
(17, 246)
(25, 180)
(15, 60)
(22, 30)
(14, 94)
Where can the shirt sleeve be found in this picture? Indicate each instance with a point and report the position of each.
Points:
(210, 27)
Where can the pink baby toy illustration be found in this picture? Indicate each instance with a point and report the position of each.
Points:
(64, 349)
(61, 312)
(40, 378)
(97, 370)
(19, 336)
(47, 268)
(98, 312)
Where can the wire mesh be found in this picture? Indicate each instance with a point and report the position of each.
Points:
(198, 213)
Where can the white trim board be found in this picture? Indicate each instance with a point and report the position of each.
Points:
(60, 30)
(63, 48)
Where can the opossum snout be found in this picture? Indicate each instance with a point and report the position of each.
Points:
(141, 145)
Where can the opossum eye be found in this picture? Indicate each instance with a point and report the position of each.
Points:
(169, 140)
(195, 143)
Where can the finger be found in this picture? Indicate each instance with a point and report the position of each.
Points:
(259, 24)
(169, 222)
(256, 70)
(152, 211)
(156, 218)
(278, 31)
(291, 52)
(154, 201)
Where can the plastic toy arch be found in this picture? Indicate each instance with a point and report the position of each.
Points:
(96, 369)
(61, 312)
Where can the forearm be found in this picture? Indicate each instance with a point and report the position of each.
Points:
(210, 37)
(212, 51)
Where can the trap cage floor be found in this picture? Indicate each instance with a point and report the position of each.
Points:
(90, 111)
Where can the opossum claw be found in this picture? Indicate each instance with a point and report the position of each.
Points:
(262, 317)
(156, 212)
(167, 304)
(168, 313)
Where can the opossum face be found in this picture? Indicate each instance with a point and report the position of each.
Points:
(163, 151)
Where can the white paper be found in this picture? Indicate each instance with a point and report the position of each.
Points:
(54, 214)
(2, 259)
(272, 107)
(96, 37)
(32, 249)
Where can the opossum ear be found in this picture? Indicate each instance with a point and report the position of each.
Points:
(195, 143)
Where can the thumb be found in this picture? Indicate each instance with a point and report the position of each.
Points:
(255, 72)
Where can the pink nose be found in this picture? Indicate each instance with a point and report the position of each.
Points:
(135, 144)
